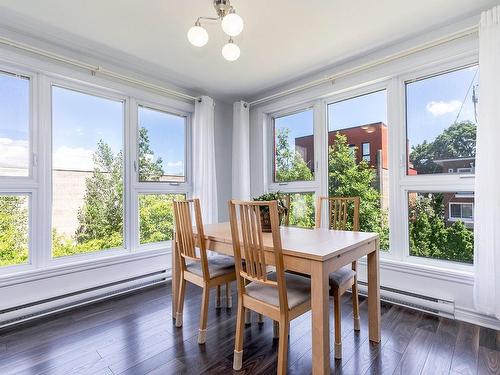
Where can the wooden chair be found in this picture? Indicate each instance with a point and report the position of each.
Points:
(196, 267)
(340, 209)
(280, 296)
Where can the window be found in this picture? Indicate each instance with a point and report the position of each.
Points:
(352, 150)
(461, 211)
(294, 147)
(156, 217)
(301, 209)
(440, 228)
(162, 139)
(14, 229)
(87, 172)
(14, 125)
(361, 120)
(366, 151)
(441, 122)
(161, 146)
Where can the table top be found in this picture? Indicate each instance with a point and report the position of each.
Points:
(315, 244)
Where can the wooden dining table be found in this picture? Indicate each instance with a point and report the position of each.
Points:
(315, 252)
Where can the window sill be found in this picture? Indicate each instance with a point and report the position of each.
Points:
(79, 265)
(446, 271)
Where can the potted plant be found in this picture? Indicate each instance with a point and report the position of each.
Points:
(265, 218)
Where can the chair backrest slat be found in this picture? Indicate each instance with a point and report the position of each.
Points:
(248, 242)
(343, 212)
(185, 237)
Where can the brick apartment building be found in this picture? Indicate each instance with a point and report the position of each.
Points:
(367, 142)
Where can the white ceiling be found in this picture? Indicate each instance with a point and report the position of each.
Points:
(282, 39)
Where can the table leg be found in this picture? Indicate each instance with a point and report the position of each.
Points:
(320, 316)
(175, 276)
(374, 294)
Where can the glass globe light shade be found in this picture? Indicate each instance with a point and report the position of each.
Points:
(231, 51)
(232, 24)
(197, 35)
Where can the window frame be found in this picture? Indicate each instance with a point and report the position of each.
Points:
(352, 93)
(286, 185)
(404, 183)
(155, 187)
(33, 255)
(363, 155)
(32, 76)
(101, 92)
(187, 150)
(27, 185)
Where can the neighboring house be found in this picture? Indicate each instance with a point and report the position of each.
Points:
(457, 165)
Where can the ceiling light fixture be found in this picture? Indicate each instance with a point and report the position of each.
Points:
(232, 24)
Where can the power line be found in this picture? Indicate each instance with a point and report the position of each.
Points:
(466, 95)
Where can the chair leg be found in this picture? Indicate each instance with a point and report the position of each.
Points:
(283, 347)
(276, 330)
(229, 297)
(260, 318)
(202, 334)
(180, 301)
(355, 304)
(218, 297)
(248, 317)
(238, 343)
(337, 318)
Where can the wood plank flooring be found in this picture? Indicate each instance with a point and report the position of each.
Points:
(135, 334)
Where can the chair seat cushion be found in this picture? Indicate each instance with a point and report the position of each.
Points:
(298, 290)
(341, 276)
(217, 266)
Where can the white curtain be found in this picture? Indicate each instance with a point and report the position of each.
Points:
(241, 151)
(204, 176)
(487, 184)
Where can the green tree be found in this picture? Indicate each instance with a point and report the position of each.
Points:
(150, 167)
(13, 230)
(101, 215)
(429, 236)
(156, 217)
(457, 141)
(290, 166)
(347, 178)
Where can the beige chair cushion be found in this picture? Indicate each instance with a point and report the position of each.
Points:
(217, 266)
(298, 290)
(341, 276)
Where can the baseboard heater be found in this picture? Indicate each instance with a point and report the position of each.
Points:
(415, 301)
(23, 313)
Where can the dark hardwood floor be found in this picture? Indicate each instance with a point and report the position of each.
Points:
(135, 334)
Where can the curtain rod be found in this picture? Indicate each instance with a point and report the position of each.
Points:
(93, 68)
(421, 47)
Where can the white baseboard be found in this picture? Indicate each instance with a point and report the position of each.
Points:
(471, 316)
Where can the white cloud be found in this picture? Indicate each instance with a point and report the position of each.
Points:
(14, 153)
(178, 163)
(73, 158)
(442, 108)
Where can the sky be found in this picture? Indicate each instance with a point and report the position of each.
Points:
(433, 105)
(81, 120)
